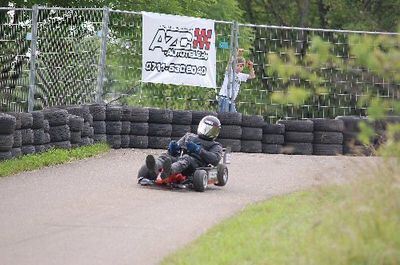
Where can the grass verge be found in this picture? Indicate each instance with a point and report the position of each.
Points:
(353, 224)
(49, 158)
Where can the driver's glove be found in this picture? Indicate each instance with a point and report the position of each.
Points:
(193, 147)
(173, 148)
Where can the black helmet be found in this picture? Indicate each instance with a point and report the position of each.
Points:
(209, 127)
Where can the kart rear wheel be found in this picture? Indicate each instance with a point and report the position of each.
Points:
(222, 175)
(200, 180)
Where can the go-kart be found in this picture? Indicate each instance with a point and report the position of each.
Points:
(200, 179)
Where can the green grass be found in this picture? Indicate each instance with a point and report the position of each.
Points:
(353, 224)
(49, 158)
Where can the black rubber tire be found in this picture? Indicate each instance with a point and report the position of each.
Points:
(273, 139)
(27, 136)
(182, 117)
(256, 121)
(40, 148)
(158, 129)
(38, 118)
(351, 123)
(7, 123)
(160, 115)
(248, 146)
(17, 138)
(197, 115)
(230, 118)
(351, 138)
(47, 139)
(298, 125)
(179, 130)
(26, 120)
(6, 142)
(46, 126)
(114, 141)
(126, 113)
(113, 127)
(138, 141)
(139, 128)
(139, 114)
(328, 137)
(16, 115)
(252, 133)
(75, 123)
(98, 112)
(76, 137)
(39, 137)
(75, 110)
(97, 138)
(328, 149)
(113, 113)
(59, 133)
(222, 175)
(297, 148)
(85, 141)
(27, 149)
(299, 137)
(5, 155)
(158, 142)
(273, 128)
(56, 117)
(328, 125)
(99, 127)
(16, 152)
(272, 148)
(125, 141)
(200, 180)
(126, 127)
(234, 144)
(230, 132)
(62, 144)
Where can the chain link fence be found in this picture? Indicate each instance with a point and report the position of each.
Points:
(58, 56)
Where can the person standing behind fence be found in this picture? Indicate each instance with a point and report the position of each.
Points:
(225, 102)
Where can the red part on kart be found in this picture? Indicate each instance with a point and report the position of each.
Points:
(174, 178)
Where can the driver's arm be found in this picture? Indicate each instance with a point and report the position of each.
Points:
(212, 156)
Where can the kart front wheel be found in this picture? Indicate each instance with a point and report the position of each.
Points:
(200, 180)
(222, 175)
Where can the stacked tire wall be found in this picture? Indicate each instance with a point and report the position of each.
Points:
(135, 127)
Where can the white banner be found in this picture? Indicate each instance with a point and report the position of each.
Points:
(178, 50)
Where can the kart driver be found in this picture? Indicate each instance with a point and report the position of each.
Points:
(198, 151)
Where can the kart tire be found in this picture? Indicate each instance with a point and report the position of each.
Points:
(38, 118)
(230, 132)
(7, 124)
(126, 113)
(56, 117)
(126, 127)
(75, 123)
(99, 127)
(200, 180)
(321, 137)
(181, 117)
(256, 121)
(299, 137)
(222, 175)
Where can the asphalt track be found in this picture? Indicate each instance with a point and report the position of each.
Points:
(93, 212)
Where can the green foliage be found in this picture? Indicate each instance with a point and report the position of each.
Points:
(352, 224)
(51, 157)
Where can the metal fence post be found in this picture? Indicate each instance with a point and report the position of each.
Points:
(103, 53)
(32, 71)
(232, 64)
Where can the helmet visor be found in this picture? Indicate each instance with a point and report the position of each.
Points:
(208, 130)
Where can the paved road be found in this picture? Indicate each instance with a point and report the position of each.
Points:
(92, 211)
